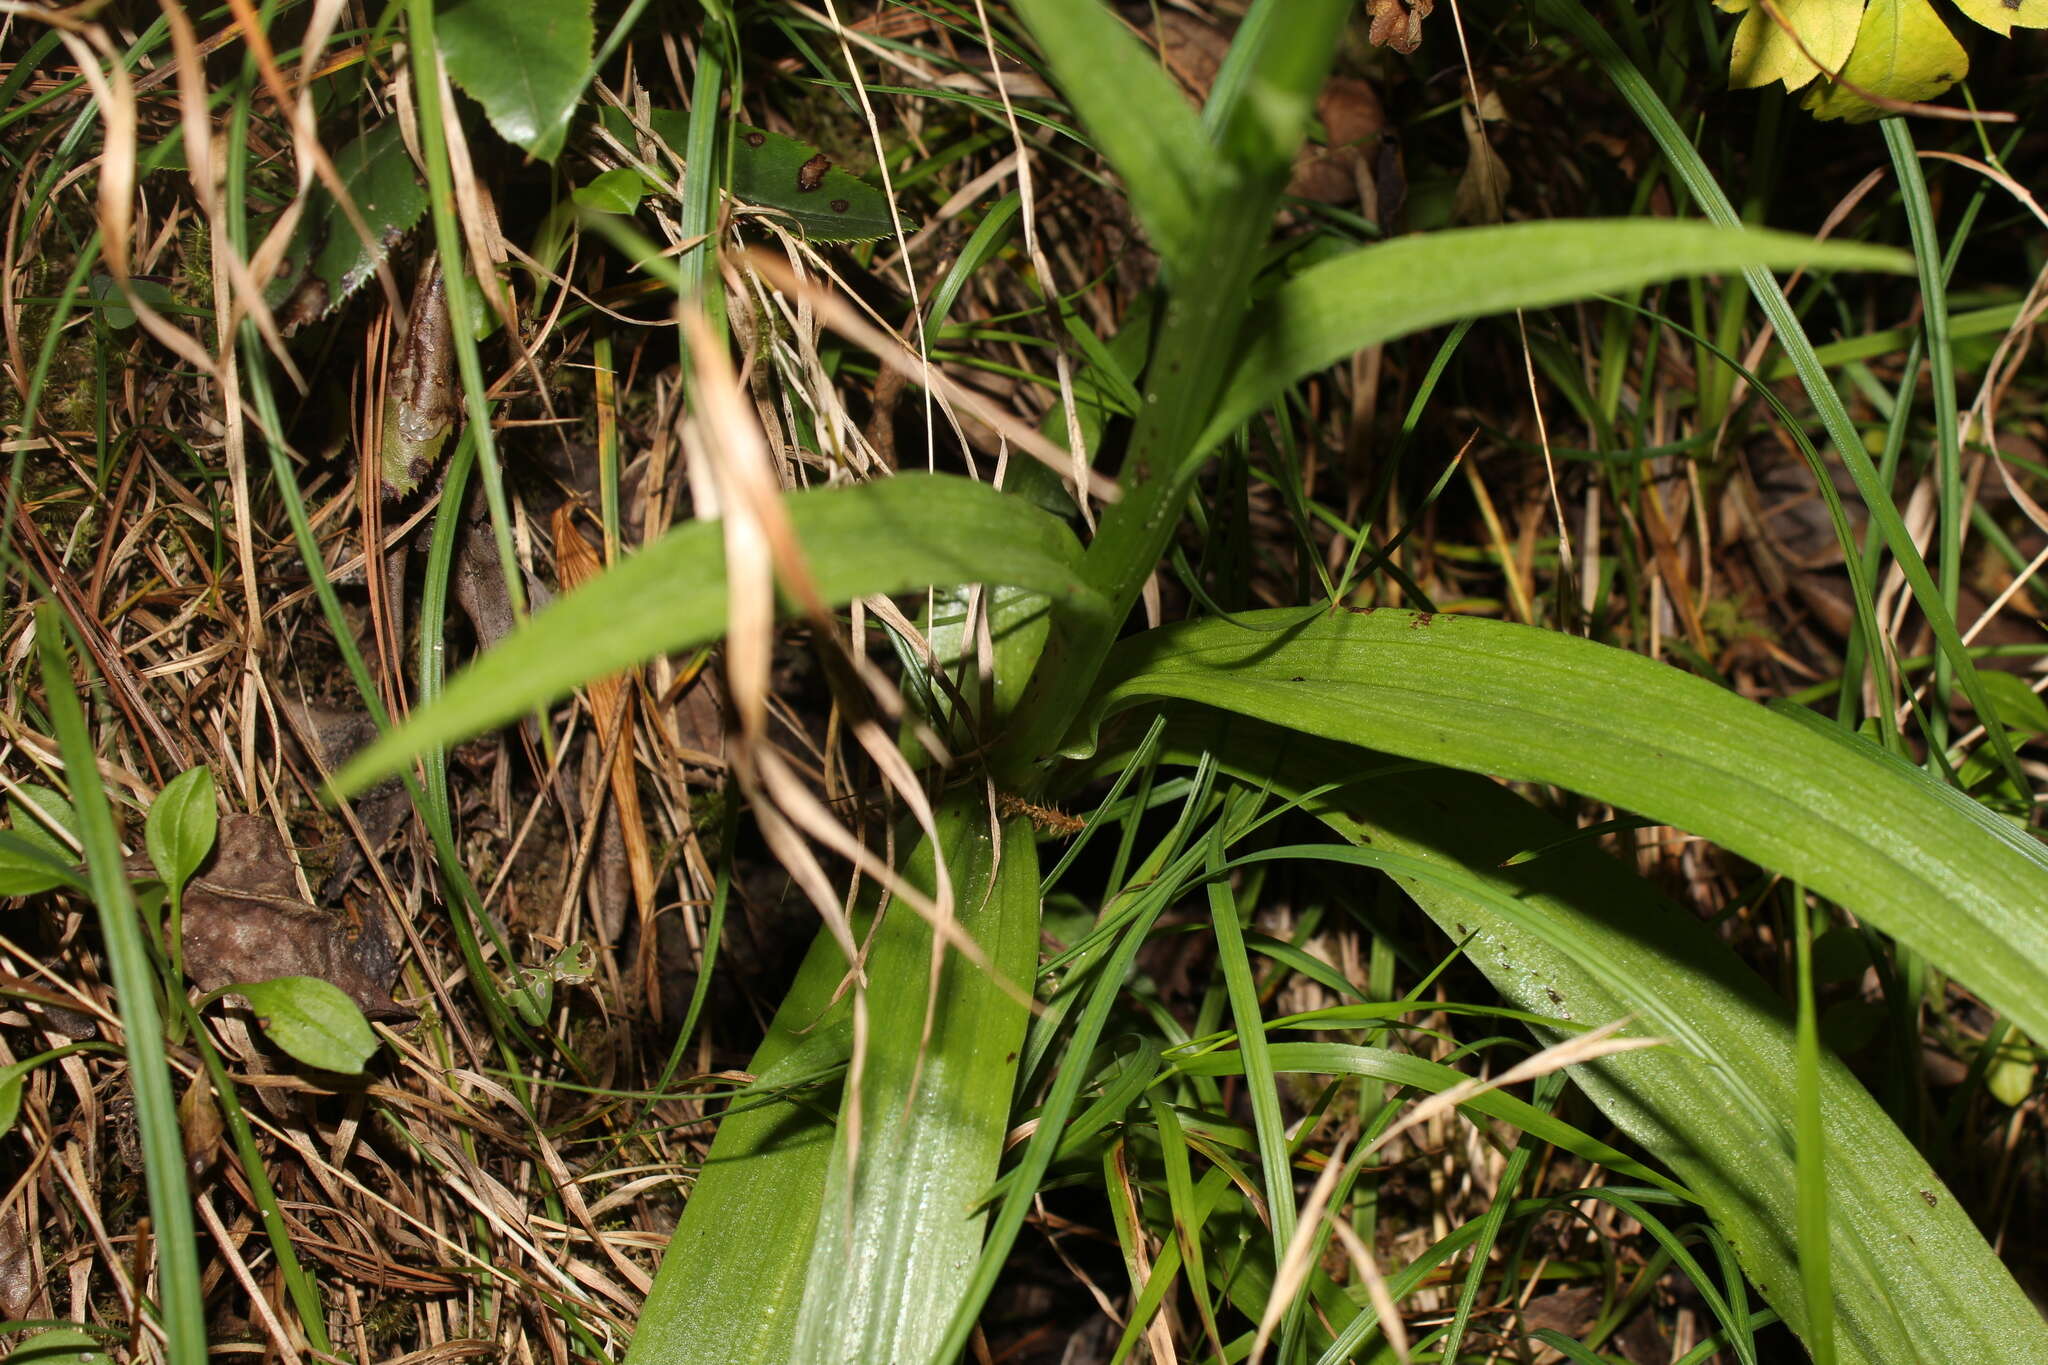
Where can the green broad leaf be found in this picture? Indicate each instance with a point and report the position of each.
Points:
(33, 812)
(181, 825)
(12, 1082)
(29, 868)
(1578, 937)
(794, 178)
(312, 1019)
(732, 1279)
(1391, 289)
(60, 1346)
(894, 535)
(902, 1221)
(618, 191)
(115, 312)
(1919, 860)
(328, 259)
(800, 183)
(1903, 51)
(1136, 116)
(525, 61)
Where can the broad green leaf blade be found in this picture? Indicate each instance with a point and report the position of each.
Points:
(28, 867)
(60, 1346)
(1575, 935)
(618, 191)
(1136, 115)
(1390, 289)
(35, 814)
(902, 1222)
(524, 61)
(180, 827)
(1918, 860)
(894, 535)
(732, 1278)
(329, 260)
(829, 204)
(312, 1019)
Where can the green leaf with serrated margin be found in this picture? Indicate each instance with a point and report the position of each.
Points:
(524, 61)
(329, 260)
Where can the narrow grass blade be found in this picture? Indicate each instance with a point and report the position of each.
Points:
(907, 532)
(1919, 860)
(176, 1235)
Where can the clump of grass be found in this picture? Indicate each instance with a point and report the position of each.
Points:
(1232, 1019)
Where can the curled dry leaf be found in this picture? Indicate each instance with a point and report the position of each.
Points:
(1397, 23)
(245, 921)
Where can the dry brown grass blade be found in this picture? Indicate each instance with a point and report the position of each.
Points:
(611, 701)
(890, 350)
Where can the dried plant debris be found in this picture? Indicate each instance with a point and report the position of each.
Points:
(245, 920)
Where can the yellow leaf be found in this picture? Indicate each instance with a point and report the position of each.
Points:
(1766, 52)
(2002, 16)
(1903, 52)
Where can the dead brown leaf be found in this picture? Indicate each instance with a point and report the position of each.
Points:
(1482, 194)
(1397, 23)
(246, 921)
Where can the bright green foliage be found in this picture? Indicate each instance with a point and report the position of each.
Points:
(823, 1230)
(900, 534)
(180, 828)
(1939, 872)
(60, 1346)
(525, 61)
(311, 1019)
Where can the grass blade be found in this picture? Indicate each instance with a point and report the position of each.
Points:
(1687, 164)
(1137, 117)
(135, 980)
